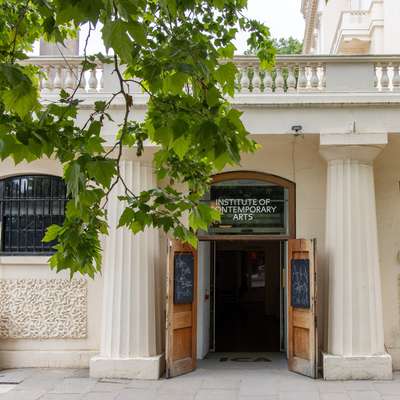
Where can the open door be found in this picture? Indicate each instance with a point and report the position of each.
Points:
(302, 320)
(181, 309)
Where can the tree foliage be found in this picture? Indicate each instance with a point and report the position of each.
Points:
(288, 46)
(180, 52)
(283, 46)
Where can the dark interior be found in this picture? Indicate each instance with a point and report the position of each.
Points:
(247, 296)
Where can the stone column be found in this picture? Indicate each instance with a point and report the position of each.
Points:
(355, 348)
(131, 329)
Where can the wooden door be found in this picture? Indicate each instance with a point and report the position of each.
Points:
(181, 309)
(302, 321)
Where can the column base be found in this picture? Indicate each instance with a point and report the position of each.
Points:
(127, 368)
(357, 367)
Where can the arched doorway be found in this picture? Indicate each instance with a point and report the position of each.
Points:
(255, 289)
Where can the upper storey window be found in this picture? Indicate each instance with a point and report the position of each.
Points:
(29, 204)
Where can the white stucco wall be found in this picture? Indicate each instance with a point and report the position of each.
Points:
(391, 27)
(387, 184)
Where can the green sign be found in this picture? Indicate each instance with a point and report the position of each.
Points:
(249, 206)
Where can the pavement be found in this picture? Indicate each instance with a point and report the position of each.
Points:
(220, 377)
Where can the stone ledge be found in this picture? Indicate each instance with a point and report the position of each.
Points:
(127, 368)
(372, 367)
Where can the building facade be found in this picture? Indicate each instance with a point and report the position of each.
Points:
(321, 195)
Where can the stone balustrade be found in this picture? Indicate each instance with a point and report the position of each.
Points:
(66, 73)
(291, 75)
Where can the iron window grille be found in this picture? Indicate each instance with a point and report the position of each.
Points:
(29, 204)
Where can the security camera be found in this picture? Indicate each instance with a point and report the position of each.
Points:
(297, 128)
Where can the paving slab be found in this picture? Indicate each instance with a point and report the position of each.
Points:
(100, 396)
(334, 396)
(364, 395)
(299, 396)
(136, 394)
(216, 394)
(22, 395)
(75, 385)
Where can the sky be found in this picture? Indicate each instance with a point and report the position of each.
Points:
(282, 16)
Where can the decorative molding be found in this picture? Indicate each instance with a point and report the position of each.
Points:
(43, 308)
(310, 8)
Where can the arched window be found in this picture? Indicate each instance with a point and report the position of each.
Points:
(29, 204)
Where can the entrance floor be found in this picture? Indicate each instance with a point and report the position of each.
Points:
(213, 380)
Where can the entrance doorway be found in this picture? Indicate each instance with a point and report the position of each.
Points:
(248, 297)
(250, 285)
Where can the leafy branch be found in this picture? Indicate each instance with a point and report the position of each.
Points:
(171, 49)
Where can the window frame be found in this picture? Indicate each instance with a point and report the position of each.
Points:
(53, 179)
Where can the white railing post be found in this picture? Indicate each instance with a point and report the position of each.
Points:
(302, 81)
(291, 80)
(385, 81)
(256, 79)
(93, 80)
(268, 82)
(314, 80)
(57, 84)
(279, 80)
(244, 80)
(396, 78)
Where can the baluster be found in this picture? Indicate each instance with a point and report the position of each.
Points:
(323, 77)
(314, 81)
(396, 78)
(237, 81)
(46, 80)
(291, 80)
(302, 82)
(93, 80)
(245, 81)
(69, 81)
(101, 78)
(256, 79)
(268, 83)
(385, 81)
(57, 84)
(279, 81)
(376, 79)
(81, 79)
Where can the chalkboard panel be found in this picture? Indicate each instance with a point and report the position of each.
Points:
(183, 278)
(300, 284)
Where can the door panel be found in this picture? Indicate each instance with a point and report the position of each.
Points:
(181, 309)
(302, 329)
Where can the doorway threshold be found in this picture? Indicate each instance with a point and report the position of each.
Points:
(244, 360)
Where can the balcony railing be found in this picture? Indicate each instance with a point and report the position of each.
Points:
(291, 75)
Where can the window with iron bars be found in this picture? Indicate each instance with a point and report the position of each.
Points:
(29, 204)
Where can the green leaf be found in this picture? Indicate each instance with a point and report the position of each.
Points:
(181, 146)
(137, 31)
(213, 97)
(102, 171)
(115, 36)
(52, 233)
(126, 217)
(74, 178)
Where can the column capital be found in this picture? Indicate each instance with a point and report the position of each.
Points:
(361, 147)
